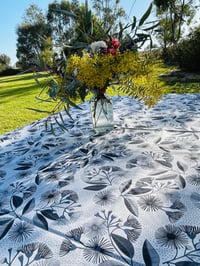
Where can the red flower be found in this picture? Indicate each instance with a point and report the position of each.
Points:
(112, 51)
(115, 43)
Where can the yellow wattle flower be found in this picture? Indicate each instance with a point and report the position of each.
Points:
(99, 70)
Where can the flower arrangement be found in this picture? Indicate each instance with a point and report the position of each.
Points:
(102, 65)
(99, 65)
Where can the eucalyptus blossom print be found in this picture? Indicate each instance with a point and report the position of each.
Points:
(183, 240)
(66, 247)
(113, 239)
(75, 233)
(98, 250)
(49, 177)
(132, 229)
(56, 205)
(43, 252)
(29, 249)
(20, 232)
(95, 228)
(102, 177)
(104, 198)
(150, 203)
(49, 197)
(171, 236)
(191, 231)
(29, 254)
(121, 235)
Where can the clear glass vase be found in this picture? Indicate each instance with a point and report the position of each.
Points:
(102, 113)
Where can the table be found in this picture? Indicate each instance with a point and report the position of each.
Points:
(128, 197)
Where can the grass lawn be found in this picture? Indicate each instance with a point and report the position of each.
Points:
(173, 80)
(17, 93)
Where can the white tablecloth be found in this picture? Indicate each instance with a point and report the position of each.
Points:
(129, 197)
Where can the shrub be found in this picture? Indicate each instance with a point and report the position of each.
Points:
(9, 72)
(186, 54)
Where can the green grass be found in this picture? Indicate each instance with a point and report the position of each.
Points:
(17, 93)
(174, 81)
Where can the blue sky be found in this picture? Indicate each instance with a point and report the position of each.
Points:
(12, 12)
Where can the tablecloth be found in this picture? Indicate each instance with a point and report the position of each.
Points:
(127, 197)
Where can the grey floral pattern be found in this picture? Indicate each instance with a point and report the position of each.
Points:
(20, 232)
(129, 197)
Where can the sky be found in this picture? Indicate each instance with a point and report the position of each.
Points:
(12, 12)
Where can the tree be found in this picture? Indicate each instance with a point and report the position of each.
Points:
(46, 36)
(48, 54)
(73, 25)
(4, 60)
(110, 14)
(68, 26)
(186, 54)
(173, 15)
(60, 18)
(30, 35)
(86, 29)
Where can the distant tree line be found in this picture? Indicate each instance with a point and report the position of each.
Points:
(5, 66)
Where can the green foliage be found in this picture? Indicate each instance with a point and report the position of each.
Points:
(145, 16)
(109, 13)
(186, 54)
(173, 16)
(4, 60)
(29, 34)
(9, 72)
(71, 25)
(47, 52)
(162, 5)
(3, 68)
(60, 18)
(4, 63)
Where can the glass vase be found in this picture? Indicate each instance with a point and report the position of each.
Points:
(102, 113)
